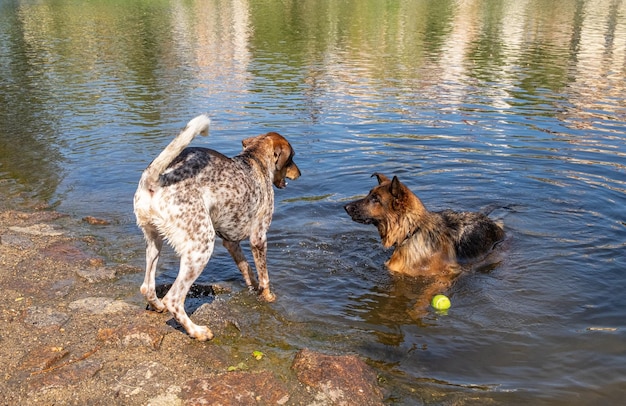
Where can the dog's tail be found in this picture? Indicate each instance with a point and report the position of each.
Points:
(150, 176)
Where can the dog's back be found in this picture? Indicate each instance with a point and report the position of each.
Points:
(237, 199)
(474, 234)
(188, 164)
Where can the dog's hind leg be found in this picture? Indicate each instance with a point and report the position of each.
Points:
(154, 244)
(193, 240)
(234, 248)
(192, 263)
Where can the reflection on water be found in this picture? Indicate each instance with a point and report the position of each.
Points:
(512, 106)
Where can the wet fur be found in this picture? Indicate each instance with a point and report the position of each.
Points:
(190, 196)
(426, 244)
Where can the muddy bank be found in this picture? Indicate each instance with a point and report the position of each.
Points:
(71, 334)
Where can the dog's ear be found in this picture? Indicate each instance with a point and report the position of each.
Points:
(396, 188)
(282, 150)
(398, 192)
(381, 178)
(280, 158)
(245, 143)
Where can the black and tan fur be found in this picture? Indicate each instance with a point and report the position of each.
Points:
(190, 196)
(426, 244)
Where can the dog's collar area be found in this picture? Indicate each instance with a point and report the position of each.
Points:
(409, 235)
(258, 162)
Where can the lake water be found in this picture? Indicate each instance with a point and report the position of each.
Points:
(512, 106)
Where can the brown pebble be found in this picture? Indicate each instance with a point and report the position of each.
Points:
(96, 221)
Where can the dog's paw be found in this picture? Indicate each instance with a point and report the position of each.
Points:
(267, 296)
(156, 306)
(201, 333)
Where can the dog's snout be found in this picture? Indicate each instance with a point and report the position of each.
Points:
(293, 172)
(356, 212)
(352, 210)
(349, 208)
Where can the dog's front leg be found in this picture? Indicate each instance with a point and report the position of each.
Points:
(235, 251)
(258, 245)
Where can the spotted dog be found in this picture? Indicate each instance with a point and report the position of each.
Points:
(188, 196)
(426, 244)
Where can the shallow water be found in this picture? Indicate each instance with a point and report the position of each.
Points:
(513, 107)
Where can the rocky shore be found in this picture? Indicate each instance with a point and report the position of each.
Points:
(70, 335)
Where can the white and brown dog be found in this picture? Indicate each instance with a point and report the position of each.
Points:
(188, 196)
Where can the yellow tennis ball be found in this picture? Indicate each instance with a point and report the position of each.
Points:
(440, 302)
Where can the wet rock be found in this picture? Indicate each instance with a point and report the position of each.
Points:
(146, 377)
(45, 317)
(13, 217)
(68, 252)
(97, 275)
(240, 388)
(223, 319)
(339, 380)
(37, 229)
(139, 335)
(16, 241)
(124, 269)
(101, 305)
(96, 221)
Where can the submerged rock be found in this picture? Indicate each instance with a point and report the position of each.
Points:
(96, 221)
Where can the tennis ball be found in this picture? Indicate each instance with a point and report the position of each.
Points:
(440, 302)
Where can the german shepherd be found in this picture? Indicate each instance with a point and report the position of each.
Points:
(426, 244)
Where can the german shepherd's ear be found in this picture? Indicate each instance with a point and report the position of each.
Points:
(396, 188)
(397, 191)
(381, 178)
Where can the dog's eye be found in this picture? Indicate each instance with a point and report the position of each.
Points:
(374, 199)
